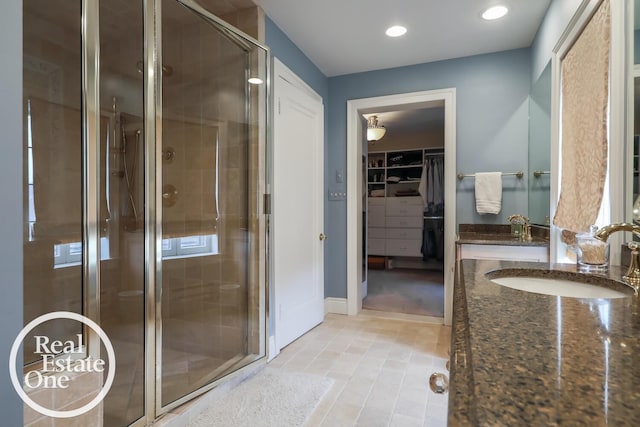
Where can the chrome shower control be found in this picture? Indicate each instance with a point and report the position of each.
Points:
(169, 195)
(168, 154)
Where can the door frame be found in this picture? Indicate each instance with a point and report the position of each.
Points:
(403, 101)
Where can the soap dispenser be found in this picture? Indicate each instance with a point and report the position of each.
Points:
(592, 253)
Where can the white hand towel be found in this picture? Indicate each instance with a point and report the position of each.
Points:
(488, 192)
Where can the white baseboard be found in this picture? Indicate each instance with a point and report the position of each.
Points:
(273, 351)
(335, 305)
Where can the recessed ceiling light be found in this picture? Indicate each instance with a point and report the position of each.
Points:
(494, 12)
(396, 31)
(255, 81)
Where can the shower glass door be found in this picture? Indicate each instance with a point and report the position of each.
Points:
(144, 172)
(212, 304)
(121, 207)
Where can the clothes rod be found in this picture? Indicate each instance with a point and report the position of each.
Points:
(538, 174)
(519, 174)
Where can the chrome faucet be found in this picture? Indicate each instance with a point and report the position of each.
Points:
(525, 235)
(632, 277)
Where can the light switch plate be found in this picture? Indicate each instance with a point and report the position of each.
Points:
(337, 194)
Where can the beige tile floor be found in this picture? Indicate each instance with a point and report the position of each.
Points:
(381, 369)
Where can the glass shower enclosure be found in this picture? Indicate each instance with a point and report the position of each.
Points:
(144, 154)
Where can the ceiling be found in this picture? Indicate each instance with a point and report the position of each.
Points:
(347, 36)
(416, 121)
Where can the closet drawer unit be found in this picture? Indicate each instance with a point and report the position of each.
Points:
(376, 246)
(403, 247)
(376, 233)
(405, 201)
(376, 201)
(403, 222)
(406, 210)
(376, 216)
(403, 233)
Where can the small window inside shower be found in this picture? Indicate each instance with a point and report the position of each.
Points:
(191, 246)
(70, 254)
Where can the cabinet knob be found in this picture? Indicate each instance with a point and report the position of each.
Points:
(322, 236)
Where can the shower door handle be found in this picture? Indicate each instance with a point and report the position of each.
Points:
(322, 236)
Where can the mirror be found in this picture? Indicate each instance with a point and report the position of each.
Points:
(635, 113)
(540, 147)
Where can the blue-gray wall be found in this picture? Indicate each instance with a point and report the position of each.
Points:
(492, 121)
(11, 224)
(290, 55)
(492, 126)
(636, 46)
(555, 21)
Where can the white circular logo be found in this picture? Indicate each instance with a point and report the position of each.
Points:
(17, 384)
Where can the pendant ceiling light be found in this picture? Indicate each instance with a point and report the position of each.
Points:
(374, 132)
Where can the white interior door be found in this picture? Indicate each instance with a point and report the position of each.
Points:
(298, 206)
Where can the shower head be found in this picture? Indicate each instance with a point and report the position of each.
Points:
(167, 70)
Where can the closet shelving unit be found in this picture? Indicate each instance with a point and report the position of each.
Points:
(396, 209)
(384, 167)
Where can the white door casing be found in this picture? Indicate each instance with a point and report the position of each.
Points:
(365, 209)
(298, 206)
(404, 101)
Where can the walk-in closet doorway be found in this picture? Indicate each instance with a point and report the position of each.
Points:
(398, 163)
(403, 214)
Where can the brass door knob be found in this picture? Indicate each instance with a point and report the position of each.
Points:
(323, 236)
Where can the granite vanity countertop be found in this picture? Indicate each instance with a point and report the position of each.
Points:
(526, 359)
(499, 234)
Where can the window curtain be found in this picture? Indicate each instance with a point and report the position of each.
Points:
(194, 175)
(56, 138)
(585, 93)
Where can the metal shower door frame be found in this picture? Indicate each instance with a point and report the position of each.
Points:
(153, 201)
(91, 158)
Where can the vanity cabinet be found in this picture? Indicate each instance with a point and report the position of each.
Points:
(504, 252)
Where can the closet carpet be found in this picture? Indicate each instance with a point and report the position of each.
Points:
(404, 290)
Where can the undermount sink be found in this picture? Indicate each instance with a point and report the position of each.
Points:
(560, 283)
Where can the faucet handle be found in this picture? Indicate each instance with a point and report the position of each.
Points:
(632, 277)
(515, 219)
(526, 234)
(518, 219)
(520, 227)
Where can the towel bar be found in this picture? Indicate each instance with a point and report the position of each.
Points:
(518, 174)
